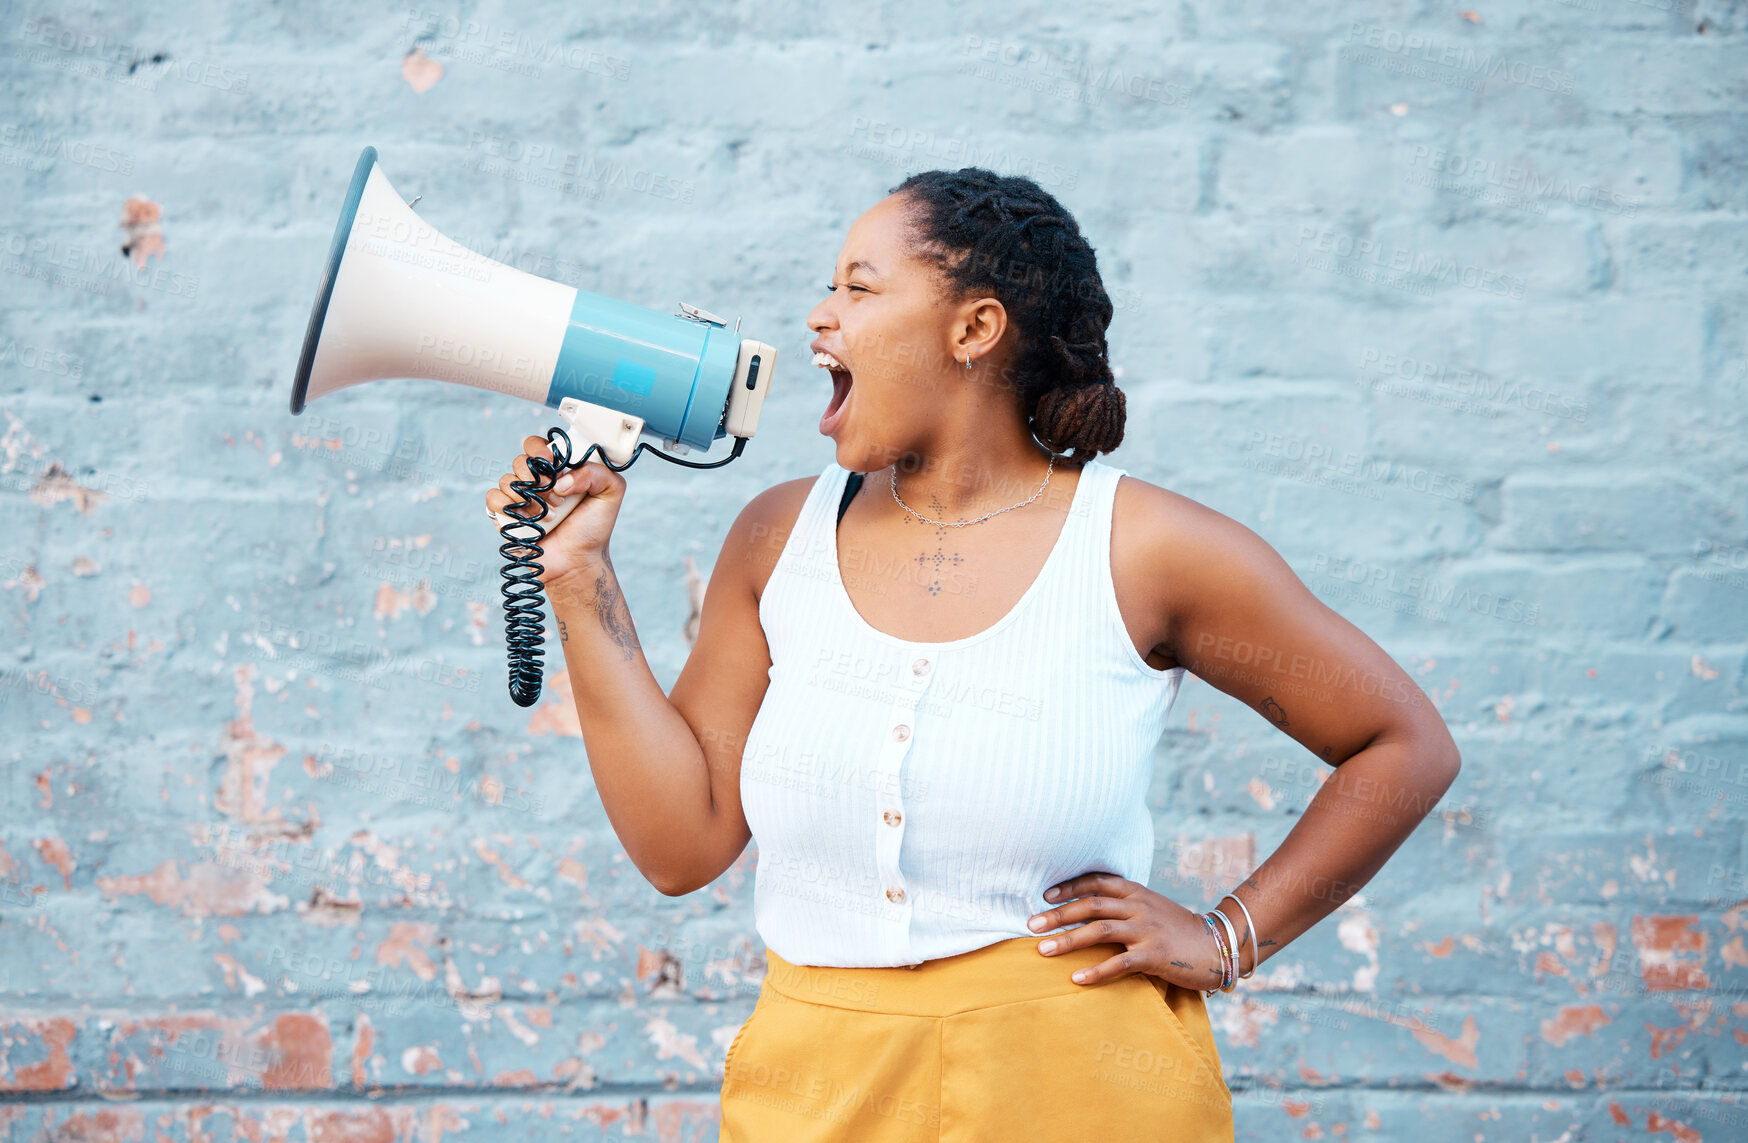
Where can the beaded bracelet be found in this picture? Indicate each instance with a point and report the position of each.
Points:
(1225, 955)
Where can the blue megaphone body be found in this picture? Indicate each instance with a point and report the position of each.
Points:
(398, 299)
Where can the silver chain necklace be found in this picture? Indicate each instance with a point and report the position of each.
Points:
(980, 519)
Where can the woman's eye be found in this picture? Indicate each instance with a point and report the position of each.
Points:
(830, 289)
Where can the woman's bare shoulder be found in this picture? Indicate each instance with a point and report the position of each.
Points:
(1158, 519)
(1169, 551)
(763, 526)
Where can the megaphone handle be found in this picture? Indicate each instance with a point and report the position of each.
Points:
(524, 619)
(524, 634)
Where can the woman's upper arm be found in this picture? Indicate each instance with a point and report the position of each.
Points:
(719, 690)
(1238, 617)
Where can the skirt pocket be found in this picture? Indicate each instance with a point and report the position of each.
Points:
(740, 1033)
(1184, 1009)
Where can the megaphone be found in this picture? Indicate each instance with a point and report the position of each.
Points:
(399, 300)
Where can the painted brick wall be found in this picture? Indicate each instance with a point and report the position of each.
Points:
(1448, 305)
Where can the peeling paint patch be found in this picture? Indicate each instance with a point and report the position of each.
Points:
(1359, 935)
(575, 872)
(670, 1042)
(30, 580)
(329, 911)
(234, 972)
(53, 1073)
(559, 715)
(1671, 952)
(521, 1031)
(143, 220)
(405, 944)
(209, 890)
(368, 1125)
(361, 1048)
(491, 858)
(302, 1051)
(1460, 1050)
(249, 759)
(57, 484)
(1572, 1021)
(391, 601)
(696, 586)
(1215, 861)
(16, 443)
(420, 71)
(108, 1125)
(54, 851)
(1665, 1040)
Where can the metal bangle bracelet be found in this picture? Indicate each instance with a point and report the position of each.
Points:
(1257, 951)
(1233, 934)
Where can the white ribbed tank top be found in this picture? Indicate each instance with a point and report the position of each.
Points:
(913, 800)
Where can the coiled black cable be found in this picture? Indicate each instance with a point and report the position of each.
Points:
(524, 622)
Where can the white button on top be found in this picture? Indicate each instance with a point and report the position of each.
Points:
(901, 732)
(920, 667)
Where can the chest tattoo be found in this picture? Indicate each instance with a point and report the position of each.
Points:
(940, 559)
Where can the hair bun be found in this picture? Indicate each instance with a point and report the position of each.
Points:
(1086, 418)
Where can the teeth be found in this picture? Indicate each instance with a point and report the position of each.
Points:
(827, 361)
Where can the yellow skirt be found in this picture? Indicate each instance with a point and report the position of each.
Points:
(995, 1044)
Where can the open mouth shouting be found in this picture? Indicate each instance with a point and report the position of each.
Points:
(834, 412)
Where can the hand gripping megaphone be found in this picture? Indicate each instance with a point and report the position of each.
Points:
(399, 300)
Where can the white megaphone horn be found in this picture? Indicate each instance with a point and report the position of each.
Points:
(399, 300)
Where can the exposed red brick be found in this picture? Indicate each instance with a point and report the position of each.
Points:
(1671, 952)
(369, 1125)
(403, 943)
(303, 1053)
(1572, 1021)
(1458, 1051)
(54, 1073)
(54, 851)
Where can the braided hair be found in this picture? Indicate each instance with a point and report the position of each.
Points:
(1005, 237)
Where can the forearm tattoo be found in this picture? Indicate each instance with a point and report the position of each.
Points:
(614, 616)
